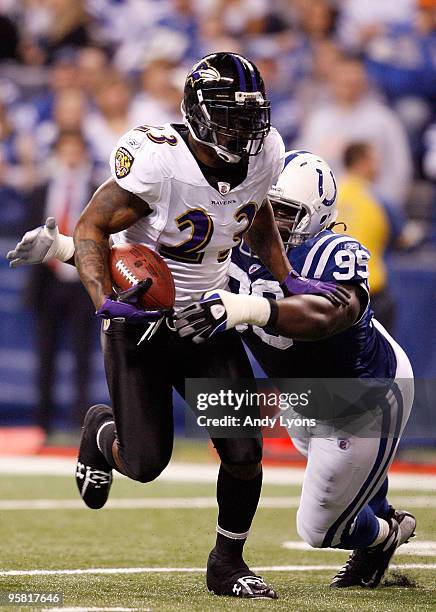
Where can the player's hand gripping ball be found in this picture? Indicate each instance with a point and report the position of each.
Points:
(143, 287)
(132, 263)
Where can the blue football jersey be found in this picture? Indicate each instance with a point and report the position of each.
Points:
(360, 351)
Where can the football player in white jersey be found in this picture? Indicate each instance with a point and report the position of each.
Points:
(344, 496)
(190, 192)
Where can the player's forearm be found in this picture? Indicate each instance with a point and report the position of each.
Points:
(111, 210)
(312, 317)
(264, 240)
(304, 317)
(91, 259)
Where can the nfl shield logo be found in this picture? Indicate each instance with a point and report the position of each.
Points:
(223, 187)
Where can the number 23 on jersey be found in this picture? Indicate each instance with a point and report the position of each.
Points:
(200, 225)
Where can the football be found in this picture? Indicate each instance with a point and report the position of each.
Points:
(132, 263)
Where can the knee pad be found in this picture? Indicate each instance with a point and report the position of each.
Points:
(143, 474)
(309, 533)
(243, 472)
(145, 469)
(239, 452)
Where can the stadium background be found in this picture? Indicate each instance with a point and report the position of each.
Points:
(102, 66)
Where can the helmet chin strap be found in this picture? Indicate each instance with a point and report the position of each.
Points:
(230, 158)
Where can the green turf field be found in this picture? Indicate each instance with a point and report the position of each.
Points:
(170, 536)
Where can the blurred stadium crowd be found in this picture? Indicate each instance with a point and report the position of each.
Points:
(352, 80)
(336, 71)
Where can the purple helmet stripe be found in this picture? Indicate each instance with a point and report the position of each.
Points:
(240, 68)
(249, 65)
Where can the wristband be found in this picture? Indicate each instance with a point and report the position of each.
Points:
(274, 313)
(251, 309)
(62, 248)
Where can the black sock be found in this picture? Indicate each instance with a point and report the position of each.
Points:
(105, 441)
(237, 503)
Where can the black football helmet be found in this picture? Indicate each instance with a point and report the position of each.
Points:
(225, 105)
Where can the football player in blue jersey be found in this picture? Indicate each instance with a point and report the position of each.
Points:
(344, 496)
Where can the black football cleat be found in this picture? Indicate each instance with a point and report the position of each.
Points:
(225, 578)
(351, 573)
(366, 567)
(93, 472)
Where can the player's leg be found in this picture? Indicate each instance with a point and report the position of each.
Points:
(240, 476)
(334, 510)
(140, 385)
(342, 477)
(379, 503)
(238, 490)
(366, 566)
(381, 507)
(136, 436)
(333, 484)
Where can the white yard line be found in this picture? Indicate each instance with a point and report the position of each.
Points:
(193, 472)
(36, 466)
(425, 548)
(187, 503)
(193, 570)
(93, 609)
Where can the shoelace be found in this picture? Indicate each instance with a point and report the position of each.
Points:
(97, 477)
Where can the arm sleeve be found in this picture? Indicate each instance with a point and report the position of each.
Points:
(135, 166)
(275, 153)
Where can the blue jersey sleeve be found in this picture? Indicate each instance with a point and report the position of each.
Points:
(333, 257)
(241, 262)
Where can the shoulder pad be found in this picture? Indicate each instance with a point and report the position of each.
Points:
(138, 161)
(274, 152)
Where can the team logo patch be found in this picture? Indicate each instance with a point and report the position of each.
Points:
(343, 443)
(123, 162)
(204, 72)
(350, 246)
(223, 187)
(133, 143)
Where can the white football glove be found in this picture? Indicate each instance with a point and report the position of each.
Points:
(40, 245)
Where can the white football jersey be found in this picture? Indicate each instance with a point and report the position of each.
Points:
(192, 225)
